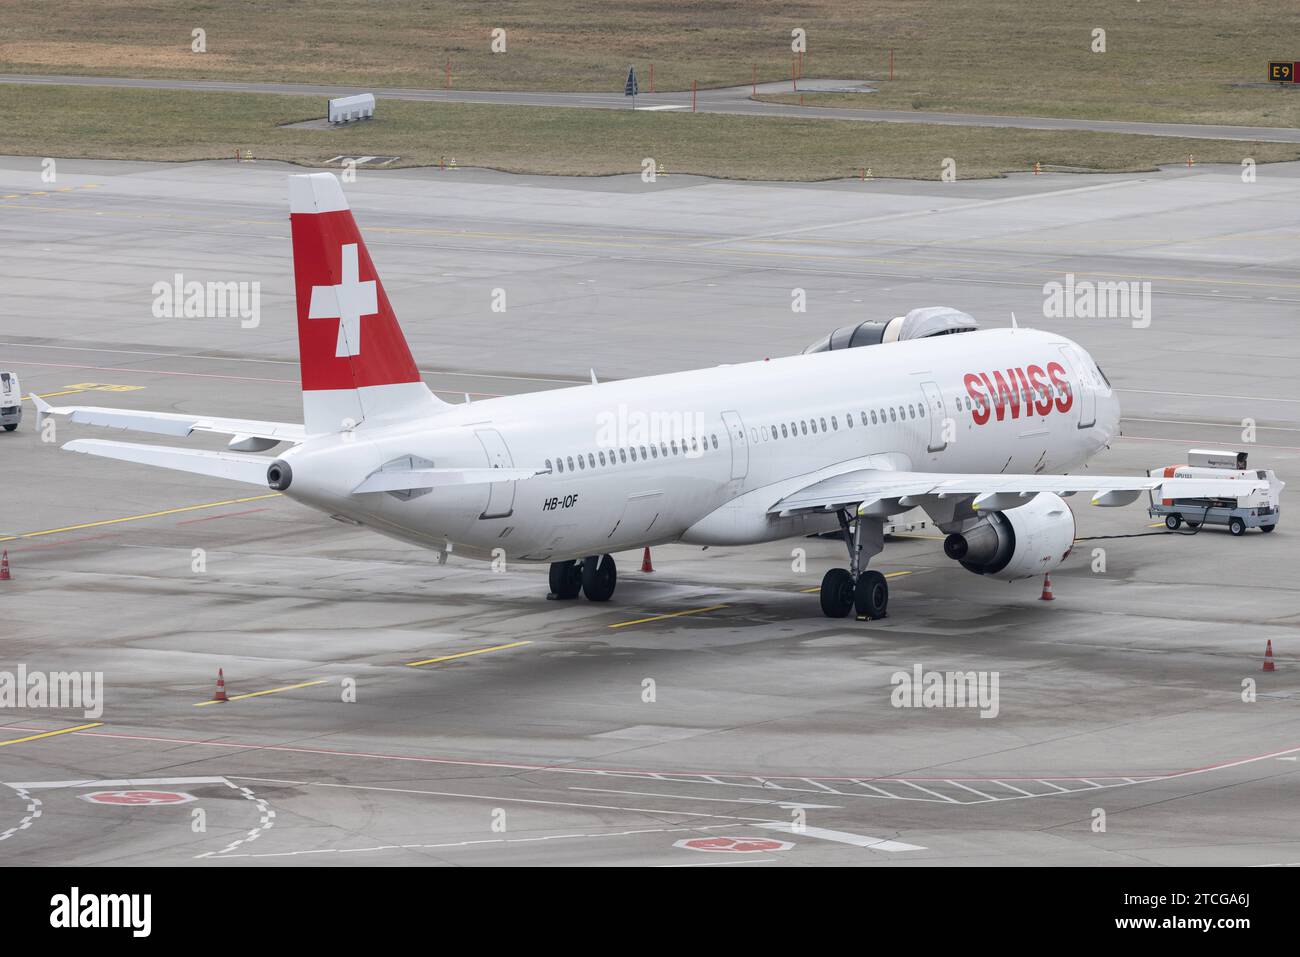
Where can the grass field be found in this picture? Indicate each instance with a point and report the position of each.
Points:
(177, 125)
(1190, 60)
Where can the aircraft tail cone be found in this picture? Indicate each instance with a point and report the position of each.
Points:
(645, 561)
(1268, 657)
(1047, 589)
(220, 693)
(4, 567)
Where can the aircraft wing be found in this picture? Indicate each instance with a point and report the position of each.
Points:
(887, 492)
(249, 435)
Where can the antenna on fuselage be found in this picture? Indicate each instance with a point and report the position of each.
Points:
(593, 377)
(1014, 324)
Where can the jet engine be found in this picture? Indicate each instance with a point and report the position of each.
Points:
(1021, 542)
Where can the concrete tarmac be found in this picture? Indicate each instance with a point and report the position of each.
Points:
(391, 710)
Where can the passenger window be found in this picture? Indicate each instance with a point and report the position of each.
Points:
(814, 426)
(823, 424)
(560, 463)
(663, 450)
(674, 444)
(715, 441)
(892, 416)
(654, 452)
(571, 462)
(581, 463)
(911, 411)
(864, 419)
(548, 465)
(622, 456)
(848, 419)
(920, 410)
(591, 459)
(803, 427)
(602, 458)
(873, 417)
(784, 434)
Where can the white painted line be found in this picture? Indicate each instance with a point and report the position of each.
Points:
(1091, 784)
(1057, 786)
(945, 797)
(1012, 787)
(987, 797)
(740, 860)
(670, 106)
(119, 783)
(880, 791)
(844, 837)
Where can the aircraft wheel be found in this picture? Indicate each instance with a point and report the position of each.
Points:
(837, 593)
(1173, 521)
(871, 596)
(566, 580)
(599, 576)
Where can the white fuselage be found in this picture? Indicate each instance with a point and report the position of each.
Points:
(918, 417)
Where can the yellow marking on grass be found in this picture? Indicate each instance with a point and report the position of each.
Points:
(136, 518)
(50, 734)
(671, 614)
(466, 654)
(258, 694)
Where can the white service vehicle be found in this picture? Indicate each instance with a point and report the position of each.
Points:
(11, 401)
(980, 428)
(1249, 504)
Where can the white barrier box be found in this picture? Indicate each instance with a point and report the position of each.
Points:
(345, 109)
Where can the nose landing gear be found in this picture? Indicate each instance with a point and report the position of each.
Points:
(853, 589)
(595, 576)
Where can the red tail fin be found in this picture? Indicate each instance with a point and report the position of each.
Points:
(355, 363)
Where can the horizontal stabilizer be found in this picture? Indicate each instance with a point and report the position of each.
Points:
(406, 480)
(173, 423)
(238, 468)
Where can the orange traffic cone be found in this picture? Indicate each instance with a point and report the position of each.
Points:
(220, 693)
(4, 567)
(1268, 657)
(1047, 588)
(645, 561)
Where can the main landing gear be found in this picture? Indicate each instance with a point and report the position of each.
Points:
(595, 576)
(854, 589)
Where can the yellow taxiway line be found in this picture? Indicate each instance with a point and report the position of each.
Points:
(466, 654)
(50, 734)
(258, 694)
(672, 614)
(136, 518)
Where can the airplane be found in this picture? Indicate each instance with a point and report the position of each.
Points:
(985, 429)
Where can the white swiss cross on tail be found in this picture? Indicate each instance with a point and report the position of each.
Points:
(348, 302)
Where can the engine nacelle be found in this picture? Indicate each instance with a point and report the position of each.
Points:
(1022, 542)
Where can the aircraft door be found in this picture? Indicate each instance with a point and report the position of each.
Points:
(1085, 394)
(501, 499)
(937, 414)
(739, 444)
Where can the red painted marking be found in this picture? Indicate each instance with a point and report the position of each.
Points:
(56, 544)
(213, 518)
(138, 798)
(734, 845)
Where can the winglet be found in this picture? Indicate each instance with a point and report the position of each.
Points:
(43, 408)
